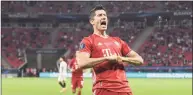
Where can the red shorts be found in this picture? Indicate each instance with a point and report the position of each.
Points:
(107, 92)
(77, 83)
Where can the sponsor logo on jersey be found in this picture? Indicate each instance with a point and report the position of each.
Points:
(99, 44)
(117, 43)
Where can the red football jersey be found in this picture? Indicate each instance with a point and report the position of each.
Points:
(107, 75)
(78, 73)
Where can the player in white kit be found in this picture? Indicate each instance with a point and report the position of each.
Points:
(62, 66)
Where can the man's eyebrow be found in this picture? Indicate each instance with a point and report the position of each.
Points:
(99, 14)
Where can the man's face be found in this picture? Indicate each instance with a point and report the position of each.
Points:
(61, 59)
(100, 20)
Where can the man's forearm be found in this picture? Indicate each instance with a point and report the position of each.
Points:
(133, 60)
(89, 62)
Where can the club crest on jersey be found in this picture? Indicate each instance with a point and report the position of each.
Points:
(82, 45)
(117, 43)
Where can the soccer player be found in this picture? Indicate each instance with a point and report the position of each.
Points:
(107, 57)
(62, 73)
(77, 77)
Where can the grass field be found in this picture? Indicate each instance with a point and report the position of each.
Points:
(49, 86)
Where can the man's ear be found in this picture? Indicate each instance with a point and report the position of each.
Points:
(91, 21)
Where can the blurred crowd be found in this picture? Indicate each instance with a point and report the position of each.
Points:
(68, 35)
(167, 46)
(50, 7)
(170, 44)
(176, 6)
(16, 40)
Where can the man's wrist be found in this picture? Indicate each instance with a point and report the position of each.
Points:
(105, 58)
(125, 59)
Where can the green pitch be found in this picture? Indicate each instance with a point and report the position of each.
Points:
(49, 86)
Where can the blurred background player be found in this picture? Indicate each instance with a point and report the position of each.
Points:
(77, 77)
(62, 66)
(106, 55)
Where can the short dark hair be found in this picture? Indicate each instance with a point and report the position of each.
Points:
(92, 12)
(64, 58)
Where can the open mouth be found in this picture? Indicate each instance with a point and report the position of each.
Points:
(103, 23)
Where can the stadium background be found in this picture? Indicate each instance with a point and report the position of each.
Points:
(34, 34)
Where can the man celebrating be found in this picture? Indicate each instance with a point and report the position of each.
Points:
(106, 54)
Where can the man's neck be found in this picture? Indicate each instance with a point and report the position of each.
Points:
(101, 33)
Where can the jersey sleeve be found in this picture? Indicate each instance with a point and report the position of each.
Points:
(85, 46)
(125, 49)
